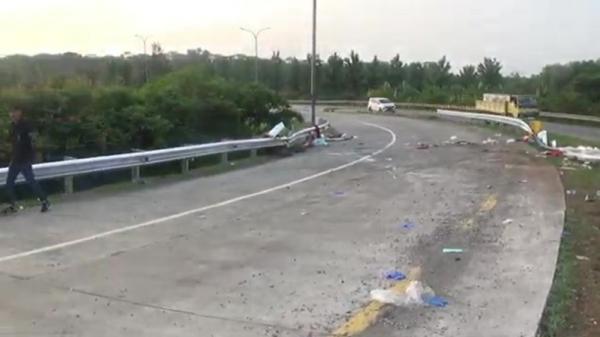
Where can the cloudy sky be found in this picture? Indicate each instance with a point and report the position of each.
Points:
(523, 34)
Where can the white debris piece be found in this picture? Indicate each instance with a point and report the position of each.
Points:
(414, 294)
(489, 141)
(582, 153)
(277, 130)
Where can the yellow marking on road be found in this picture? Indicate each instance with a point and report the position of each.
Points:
(486, 206)
(489, 204)
(368, 315)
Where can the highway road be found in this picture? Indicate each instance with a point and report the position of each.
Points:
(294, 247)
(583, 132)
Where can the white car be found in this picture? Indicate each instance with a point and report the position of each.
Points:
(380, 104)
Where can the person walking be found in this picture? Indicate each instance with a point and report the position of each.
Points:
(21, 161)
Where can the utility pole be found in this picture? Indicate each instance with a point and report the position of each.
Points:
(255, 35)
(144, 40)
(313, 89)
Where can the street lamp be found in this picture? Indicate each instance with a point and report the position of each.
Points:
(144, 40)
(255, 35)
(313, 94)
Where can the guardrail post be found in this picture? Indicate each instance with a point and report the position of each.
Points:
(69, 185)
(135, 174)
(253, 153)
(224, 158)
(185, 166)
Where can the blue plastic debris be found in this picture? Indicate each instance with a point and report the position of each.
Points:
(395, 275)
(435, 301)
(408, 225)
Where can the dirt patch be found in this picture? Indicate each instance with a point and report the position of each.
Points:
(573, 307)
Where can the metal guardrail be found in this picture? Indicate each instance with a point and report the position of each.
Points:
(515, 122)
(73, 167)
(426, 106)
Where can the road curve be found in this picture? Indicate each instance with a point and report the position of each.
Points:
(293, 247)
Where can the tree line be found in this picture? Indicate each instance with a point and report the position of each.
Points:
(82, 118)
(571, 88)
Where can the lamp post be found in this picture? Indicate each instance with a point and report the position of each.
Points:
(144, 40)
(313, 94)
(255, 35)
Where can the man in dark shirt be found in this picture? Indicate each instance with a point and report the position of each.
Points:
(22, 157)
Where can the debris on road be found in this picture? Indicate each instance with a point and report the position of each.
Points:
(510, 141)
(507, 221)
(320, 142)
(524, 181)
(453, 138)
(489, 141)
(415, 294)
(339, 194)
(590, 198)
(571, 192)
(452, 250)
(435, 301)
(582, 258)
(395, 275)
(423, 146)
(582, 153)
(408, 225)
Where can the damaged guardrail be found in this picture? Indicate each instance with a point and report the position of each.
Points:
(581, 153)
(68, 169)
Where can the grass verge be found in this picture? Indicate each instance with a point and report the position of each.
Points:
(573, 306)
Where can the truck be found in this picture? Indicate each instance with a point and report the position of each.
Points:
(518, 106)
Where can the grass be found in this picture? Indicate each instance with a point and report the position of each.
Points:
(573, 305)
(565, 140)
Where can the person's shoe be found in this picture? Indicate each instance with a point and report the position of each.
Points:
(45, 206)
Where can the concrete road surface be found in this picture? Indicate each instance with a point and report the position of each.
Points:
(294, 247)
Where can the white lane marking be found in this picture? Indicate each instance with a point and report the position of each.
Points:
(205, 208)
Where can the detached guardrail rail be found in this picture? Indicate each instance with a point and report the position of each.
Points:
(68, 169)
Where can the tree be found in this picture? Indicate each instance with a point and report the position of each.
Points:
(489, 72)
(355, 73)
(396, 74)
(334, 74)
(276, 76)
(415, 75)
(375, 73)
(159, 63)
(468, 76)
(294, 75)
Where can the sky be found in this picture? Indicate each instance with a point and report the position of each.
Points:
(524, 35)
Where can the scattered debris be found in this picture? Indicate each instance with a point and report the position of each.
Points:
(395, 275)
(489, 141)
(582, 153)
(453, 138)
(489, 187)
(543, 137)
(524, 181)
(510, 141)
(590, 198)
(554, 153)
(408, 225)
(303, 213)
(320, 142)
(423, 146)
(452, 250)
(507, 221)
(277, 130)
(435, 301)
(582, 258)
(416, 294)
(571, 192)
